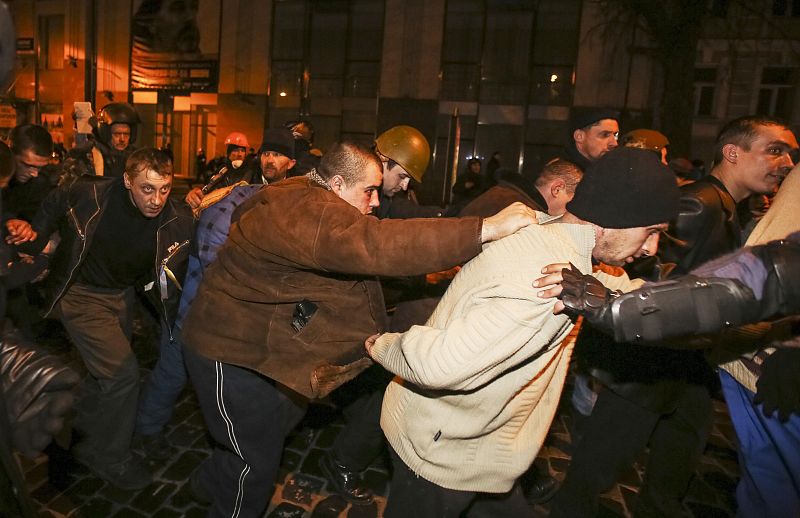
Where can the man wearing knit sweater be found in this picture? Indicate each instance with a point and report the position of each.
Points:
(478, 385)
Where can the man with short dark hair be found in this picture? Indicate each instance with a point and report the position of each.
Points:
(119, 236)
(594, 132)
(313, 285)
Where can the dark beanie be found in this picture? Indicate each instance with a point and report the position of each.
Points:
(626, 188)
(279, 140)
(586, 116)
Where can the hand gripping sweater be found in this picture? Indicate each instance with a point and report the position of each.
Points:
(478, 385)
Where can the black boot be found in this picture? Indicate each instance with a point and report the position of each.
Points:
(538, 487)
(347, 483)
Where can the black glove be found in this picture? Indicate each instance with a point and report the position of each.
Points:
(778, 387)
(37, 389)
(584, 295)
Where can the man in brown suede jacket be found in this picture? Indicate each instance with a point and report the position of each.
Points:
(289, 302)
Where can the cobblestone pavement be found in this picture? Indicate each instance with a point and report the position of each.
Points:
(64, 488)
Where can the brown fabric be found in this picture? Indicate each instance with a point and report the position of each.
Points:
(297, 241)
(498, 198)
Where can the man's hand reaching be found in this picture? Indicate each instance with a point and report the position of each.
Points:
(507, 221)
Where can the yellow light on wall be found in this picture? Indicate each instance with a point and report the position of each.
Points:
(553, 78)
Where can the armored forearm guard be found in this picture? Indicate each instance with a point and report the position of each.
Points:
(690, 305)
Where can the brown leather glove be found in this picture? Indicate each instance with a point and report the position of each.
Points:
(584, 295)
(37, 389)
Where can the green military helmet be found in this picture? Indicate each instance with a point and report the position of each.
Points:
(406, 146)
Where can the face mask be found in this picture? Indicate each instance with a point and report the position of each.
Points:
(237, 164)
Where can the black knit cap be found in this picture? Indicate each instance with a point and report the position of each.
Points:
(586, 116)
(279, 140)
(626, 188)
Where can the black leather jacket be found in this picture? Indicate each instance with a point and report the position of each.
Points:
(75, 210)
(707, 226)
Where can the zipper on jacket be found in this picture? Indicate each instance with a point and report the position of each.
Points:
(82, 235)
(158, 274)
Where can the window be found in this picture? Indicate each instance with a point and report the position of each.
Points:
(718, 8)
(326, 63)
(51, 38)
(705, 86)
(775, 94)
(786, 8)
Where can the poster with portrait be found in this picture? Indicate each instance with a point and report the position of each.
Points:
(175, 45)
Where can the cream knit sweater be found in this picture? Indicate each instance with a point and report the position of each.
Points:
(478, 385)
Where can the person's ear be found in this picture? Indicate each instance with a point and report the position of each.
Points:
(556, 187)
(337, 184)
(126, 179)
(730, 152)
(578, 135)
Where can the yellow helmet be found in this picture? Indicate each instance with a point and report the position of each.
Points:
(406, 146)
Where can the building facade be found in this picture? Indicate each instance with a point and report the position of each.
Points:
(477, 77)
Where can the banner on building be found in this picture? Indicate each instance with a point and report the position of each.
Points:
(175, 45)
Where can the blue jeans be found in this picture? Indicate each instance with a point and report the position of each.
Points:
(769, 456)
(165, 384)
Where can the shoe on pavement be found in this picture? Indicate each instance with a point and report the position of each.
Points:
(348, 484)
(155, 447)
(128, 474)
(196, 488)
(539, 488)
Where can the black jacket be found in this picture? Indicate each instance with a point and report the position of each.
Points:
(75, 209)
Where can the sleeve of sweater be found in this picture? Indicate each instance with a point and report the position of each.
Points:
(495, 334)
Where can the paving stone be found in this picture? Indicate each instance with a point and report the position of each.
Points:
(44, 493)
(96, 507)
(152, 497)
(115, 494)
(300, 489)
(167, 513)
(327, 436)
(63, 504)
(330, 507)
(287, 510)
(183, 466)
(363, 511)
(196, 512)
(310, 465)
(301, 439)
(291, 460)
(184, 435)
(720, 482)
(85, 487)
(183, 497)
(126, 512)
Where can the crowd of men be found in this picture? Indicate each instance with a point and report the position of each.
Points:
(289, 277)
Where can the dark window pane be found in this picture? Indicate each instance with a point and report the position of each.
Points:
(705, 75)
(463, 32)
(764, 101)
(328, 37)
(285, 78)
(506, 55)
(705, 105)
(719, 8)
(366, 30)
(287, 30)
(551, 85)
(779, 7)
(362, 79)
(557, 29)
(776, 76)
(783, 103)
(460, 82)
